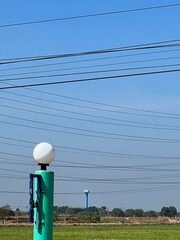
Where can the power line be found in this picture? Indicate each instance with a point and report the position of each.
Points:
(12, 192)
(121, 180)
(125, 180)
(92, 151)
(92, 102)
(104, 192)
(109, 181)
(88, 72)
(150, 167)
(13, 170)
(147, 167)
(98, 136)
(89, 15)
(128, 191)
(116, 135)
(90, 79)
(169, 128)
(94, 166)
(174, 115)
(92, 59)
(95, 66)
(140, 190)
(107, 50)
(79, 54)
(15, 154)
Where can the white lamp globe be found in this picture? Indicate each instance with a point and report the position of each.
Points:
(44, 153)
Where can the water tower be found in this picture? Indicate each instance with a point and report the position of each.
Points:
(86, 198)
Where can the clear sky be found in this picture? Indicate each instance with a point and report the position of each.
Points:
(59, 116)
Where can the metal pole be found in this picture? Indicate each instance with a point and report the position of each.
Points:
(43, 211)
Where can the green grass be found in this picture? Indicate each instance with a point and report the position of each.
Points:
(97, 233)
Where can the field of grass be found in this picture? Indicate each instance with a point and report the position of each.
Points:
(96, 233)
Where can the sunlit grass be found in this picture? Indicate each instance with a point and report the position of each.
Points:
(96, 233)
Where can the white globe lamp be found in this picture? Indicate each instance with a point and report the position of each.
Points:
(44, 154)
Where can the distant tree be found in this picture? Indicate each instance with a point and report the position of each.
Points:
(18, 212)
(103, 211)
(150, 213)
(69, 211)
(130, 212)
(61, 210)
(169, 211)
(90, 211)
(55, 208)
(165, 211)
(178, 214)
(173, 211)
(6, 211)
(93, 210)
(134, 212)
(139, 212)
(117, 212)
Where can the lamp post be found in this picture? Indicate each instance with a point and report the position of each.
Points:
(42, 201)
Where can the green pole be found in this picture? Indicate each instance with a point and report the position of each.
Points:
(43, 212)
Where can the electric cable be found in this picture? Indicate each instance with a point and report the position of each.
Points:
(88, 72)
(155, 140)
(167, 127)
(79, 165)
(119, 180)
(92, 59)
(117, 135)
(89, 15)
(104, 192)
(83, 100)
(95, 66)
(89, 115)
(87, 53)
(90, 79)
(92, 151)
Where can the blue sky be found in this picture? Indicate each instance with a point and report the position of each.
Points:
(152, 93)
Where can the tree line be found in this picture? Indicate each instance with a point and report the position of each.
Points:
(116, 212)
(103, 211)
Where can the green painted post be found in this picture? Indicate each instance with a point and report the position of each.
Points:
(43, 213)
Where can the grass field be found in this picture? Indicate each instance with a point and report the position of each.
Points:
(95, 233)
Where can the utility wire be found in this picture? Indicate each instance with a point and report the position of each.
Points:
(128, 191)
(172, 115)
(116, 135)
(161, 127)
(171, 43)
(91, 79)
(89, 53)
(92, 151)
(140, 190)
(103, 192)
(95, 66)
(84, 101)
(114, 180)
(147, 167)
(96, 136)
(152, 167)
(89, 72)
(89, 15)
(92, 102)
(92, 59)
